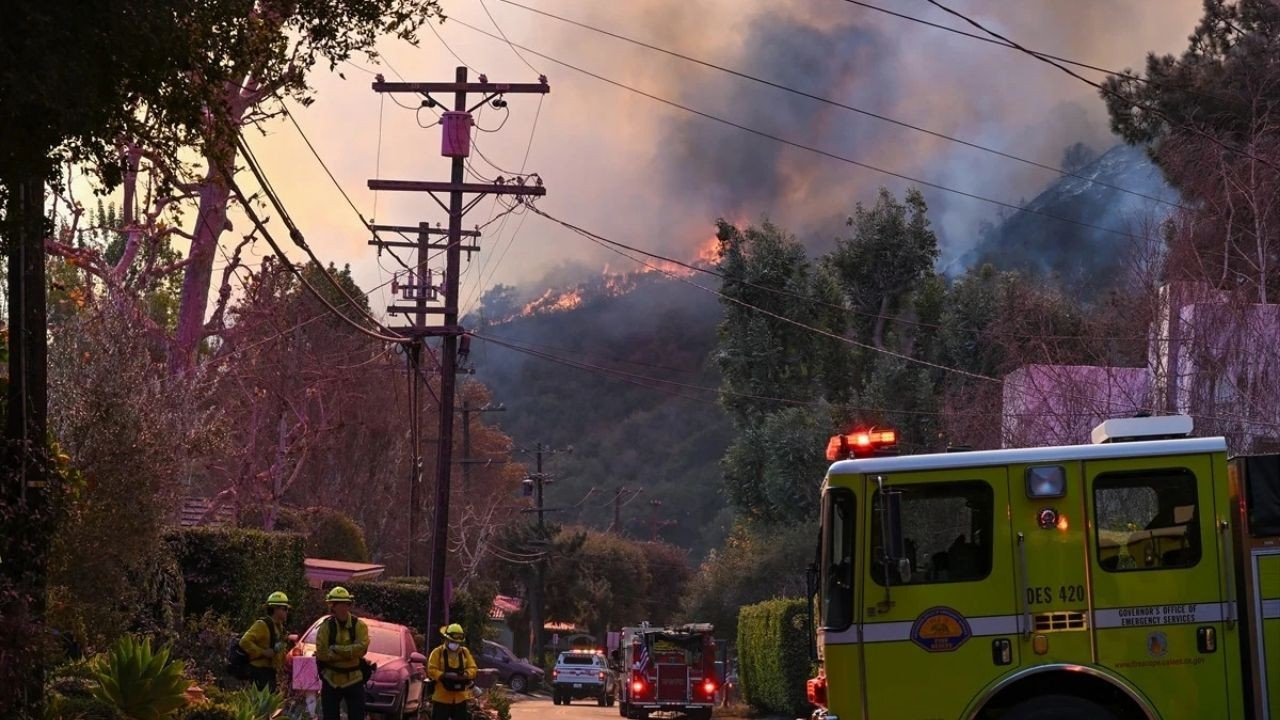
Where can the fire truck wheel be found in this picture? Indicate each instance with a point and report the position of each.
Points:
(1058, 707)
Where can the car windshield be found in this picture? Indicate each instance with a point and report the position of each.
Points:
(382, 640)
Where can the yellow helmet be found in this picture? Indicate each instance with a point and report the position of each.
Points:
(339, 594)
(279, 599)
(454, 632)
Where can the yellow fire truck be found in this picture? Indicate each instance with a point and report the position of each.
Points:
(1137, 577)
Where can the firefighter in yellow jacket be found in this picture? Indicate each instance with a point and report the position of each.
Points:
(453, 670)
(341, 644)
(265, 643)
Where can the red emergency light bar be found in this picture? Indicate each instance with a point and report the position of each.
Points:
(860, 444)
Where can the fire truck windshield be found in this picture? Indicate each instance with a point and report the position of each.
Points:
(836, 564)
(688, 645)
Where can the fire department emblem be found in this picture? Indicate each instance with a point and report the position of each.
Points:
(940, 629)
(1157, 644)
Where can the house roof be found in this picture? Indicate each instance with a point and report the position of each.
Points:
(320, 570)
(196, 511)
(504, 606)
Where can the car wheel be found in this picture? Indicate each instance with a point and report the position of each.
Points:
(602, 700)
(623, 710)
(518, 684)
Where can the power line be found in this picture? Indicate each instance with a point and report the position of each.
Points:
(642, 381)
(815, 150)
(594, 357)
(446, 47)
(605, 243)
(504, 37)
(484, 264)
(844, 106)
(284, 259)
(608, 244)
(325, 166)
(984, 39)
(296, 235)
(1103, 88)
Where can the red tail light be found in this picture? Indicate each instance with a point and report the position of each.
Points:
(816, 689)
(555, 674)
(709, 687)
(637, 686)
(601, 675)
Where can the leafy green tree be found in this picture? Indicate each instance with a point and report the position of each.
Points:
(1210, 119)
(758, 562)
(885, 271)
(1223, 84)
(129, 427)
(769, 286)
(603, 587)
(891, 250)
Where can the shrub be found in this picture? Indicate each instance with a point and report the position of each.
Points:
(330, 533)
(397, 600)
(69, 693)
(202, 645)
(210, 711)
(333, 535)
(140, 683)
(773, 655)
(405, 601)
(757, 562)
(230, 571)
(497, 700)
(253, 703)
(129, 424)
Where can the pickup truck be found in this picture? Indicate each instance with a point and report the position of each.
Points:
(583, 674)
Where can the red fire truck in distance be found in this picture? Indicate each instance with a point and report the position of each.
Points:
(669, 669)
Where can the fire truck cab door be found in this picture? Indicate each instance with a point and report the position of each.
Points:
(1048, 515)
(1160, 585)
(946, 623)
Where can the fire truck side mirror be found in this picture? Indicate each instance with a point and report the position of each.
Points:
(895, 560)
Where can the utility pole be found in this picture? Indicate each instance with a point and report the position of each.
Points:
(616, 527)
(654, 523)
(456, 144)
(537, 593)
(413, 356)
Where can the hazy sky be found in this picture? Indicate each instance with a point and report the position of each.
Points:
(638, 171)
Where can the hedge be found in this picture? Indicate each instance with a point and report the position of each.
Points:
(231, 571)
(773, 656)
(405, 601)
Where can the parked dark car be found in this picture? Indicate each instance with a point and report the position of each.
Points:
(519, 675)
(397, 686)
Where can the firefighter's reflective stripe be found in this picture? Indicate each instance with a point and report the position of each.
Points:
(1270, 609)
(1103, 619)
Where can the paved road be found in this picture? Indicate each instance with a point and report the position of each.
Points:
(541, 708)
